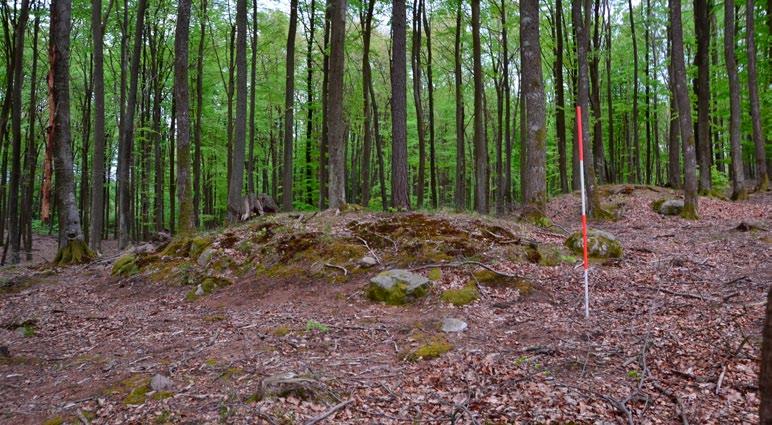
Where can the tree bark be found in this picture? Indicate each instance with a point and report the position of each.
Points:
(765, 376)
(98, 166)
(309, 99)
(415, 62)
(762, 178)
(636, 157)
(72, 248)
(199, 112)
(560, 106)
(480, 138)
(702, 30)
(236, 183)
(32, 152)
(366, 18)
(597, 133)
(399, 171)
(289, 108)
(684, 114)
(182, 104)
(738, 178)
(337, 132)
(430, 91)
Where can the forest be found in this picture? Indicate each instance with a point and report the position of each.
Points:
(214, 149)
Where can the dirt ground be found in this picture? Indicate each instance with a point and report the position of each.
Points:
(673, 337)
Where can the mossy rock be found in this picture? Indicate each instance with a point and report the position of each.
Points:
(208, 285)
(431, 348)
(397, 287)
(178, 247)
(489, 278)
(600, 244)
(137, 396)
(198, 244)
(463, 296)
(126, 266)
(548, 256)
(434, 274)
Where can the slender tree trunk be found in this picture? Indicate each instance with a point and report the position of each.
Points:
(460, 192)
(765, 375)
(366, 18)
(172, 172)
(251, 187)
(83, 205)
(72, 248)
(611, 169)
(702, 30)
(337, 130)
(378, 147)
(762, 178)
(738, 179)
(647, 95)
(323, 145)
(289, 108)
(560, 106)
(199, 112)
(415, 62)
(399, 170)
(636, 157)
(430, 90)
(182, 103)
(127, 143)
(98, 168)
(597, 133)
(14, 230)
(684, 114)
(32, 153)
(583, 88)
(535, 183)
(309, 99)
(480, 138)
(236, 183)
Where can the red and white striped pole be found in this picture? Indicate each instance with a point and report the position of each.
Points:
(584, 214)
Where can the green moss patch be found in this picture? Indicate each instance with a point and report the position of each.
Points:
(459, 297)
(75, 251)
(125, 266)
(430, 348)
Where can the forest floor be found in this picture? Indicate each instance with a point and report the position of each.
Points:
(673, 336)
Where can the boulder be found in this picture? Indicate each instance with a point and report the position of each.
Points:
(203, 259)
(450, 324)
(600, 244)
(397, 287)
(671, 207)
(367, 261)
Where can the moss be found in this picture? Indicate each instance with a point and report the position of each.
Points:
(396, 295)
(126, 266)
(281, 330)
(214, 318)
(163, 418)
(657, 203)
(430, 349)
(198, 244)
(162, 395)
(689, 212)
(137, 395)
(600, 214)
(463, 296)
(178, 247)
(489, 278)
(536, 217)
(524, 286)
(231, 372)
(74, 252)
(56, 420)
(434, 274)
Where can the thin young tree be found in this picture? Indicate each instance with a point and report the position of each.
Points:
(366, 17)
(684, 113)
(480, 138)
(460, 192)
(762, 178)
(289, 109)
(415, 63)
(72, 247)
(636, 156)
(560, 105)
(430, 93)
(236, 182)
(399, 186)
(735, 144)
(702, 30)
(182, 103)
(199, 113)
(337, 131)
(535, 183)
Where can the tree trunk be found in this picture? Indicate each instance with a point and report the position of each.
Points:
(127, 142)
(460, 192)
(430, 90)
(337, 133)
(415, 62)
(32, 153)
(236, 182)
(182, 117)
(366, 19)
(597, 133)
(583, 95)
(72, 248)
(289, 107)
(684, 114)
(762, 178)
(98, 166)
(738, 179)
(378, 147)
(535, 183)
(702, 30)
(560, 106)
(636, 157)
(309, 99)
(199, 112)
(399, 176)
(14, 230)
(765, 376)
(324, 172)
(647, 95)
(480, 138)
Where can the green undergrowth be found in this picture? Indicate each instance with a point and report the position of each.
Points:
(463, 296)
(429, 347)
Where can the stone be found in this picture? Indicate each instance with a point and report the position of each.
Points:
(161, 383)
(671, 207)
(450, 324)
(600, 244)
(368, 261)
(200, 291)
(203, 259)
(397, 287)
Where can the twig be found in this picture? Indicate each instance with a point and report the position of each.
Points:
(462, 407)
(345, 272)
(465, 263)
(264, 416)
(370, 249)
(329, 412)
(676, 400)
(720, 378)
(620, 407)
(83, 418)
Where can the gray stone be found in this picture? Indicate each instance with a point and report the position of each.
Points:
(397, 286)
(671, 207)
(203, 259)
(600, 244)
(450, 324)
(367, 261)
(199, 291)
(161, 383)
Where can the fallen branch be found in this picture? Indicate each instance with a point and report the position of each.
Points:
(329, 412)
(370, 249)
(675, 398)
(345, 272)
(465, 263)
